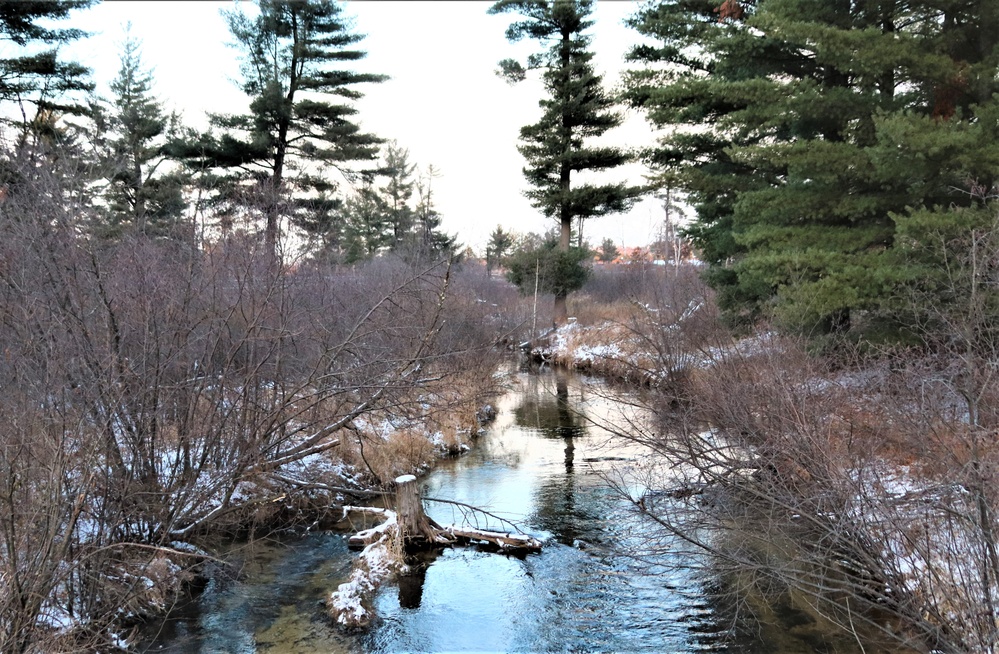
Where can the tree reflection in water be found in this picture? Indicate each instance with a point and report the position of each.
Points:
(549, 412)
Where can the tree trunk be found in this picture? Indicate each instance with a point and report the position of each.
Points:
(561, 310)
(415, 527)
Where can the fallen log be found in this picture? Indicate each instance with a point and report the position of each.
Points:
(510, 543)
(368, 536)
(383, 546)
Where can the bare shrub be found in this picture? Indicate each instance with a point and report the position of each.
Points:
(864, 486)
(658, 333)
(154, 392)
(513, 317)
(860, 491)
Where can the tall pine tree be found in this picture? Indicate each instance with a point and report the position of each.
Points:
(144, 195)
(575, 109)
(398, 190)
(292, 57)
(36, 79)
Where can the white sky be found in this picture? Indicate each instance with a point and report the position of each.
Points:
(443, 101)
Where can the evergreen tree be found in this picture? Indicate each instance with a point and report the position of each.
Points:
(292, 52)
(539, 263)
(499, 244)
(819, 126)
(323, 225)
(576, 108)
(366, 227)
(427, 235)
(608, 251)
(141, 195)
(398, 190)
(39, 91)
(39, 78)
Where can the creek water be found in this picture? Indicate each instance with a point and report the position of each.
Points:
(543, 466)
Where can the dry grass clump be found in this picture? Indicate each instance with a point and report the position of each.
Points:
(608, 349)
(441, 421)
(381, 456)
(589, 310)
(644, 324)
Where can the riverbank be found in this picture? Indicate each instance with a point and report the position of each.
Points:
(874, 465)
(438, 419)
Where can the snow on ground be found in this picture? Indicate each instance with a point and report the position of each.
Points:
(928, 531)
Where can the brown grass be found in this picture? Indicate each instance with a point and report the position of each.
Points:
(590, 312)
(441, 421)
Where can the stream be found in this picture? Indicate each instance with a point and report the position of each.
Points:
(542, 466)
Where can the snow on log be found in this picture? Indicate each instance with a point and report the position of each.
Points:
(350, 605)
(368, 536)
(506, 542)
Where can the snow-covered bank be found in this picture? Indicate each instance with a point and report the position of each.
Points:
(879, 461)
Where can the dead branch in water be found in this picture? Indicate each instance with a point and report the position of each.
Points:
(405, 529)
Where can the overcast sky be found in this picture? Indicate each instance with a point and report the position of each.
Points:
(443, 101)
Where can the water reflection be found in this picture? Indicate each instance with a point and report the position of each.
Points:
(551, 415)
(411, 583)
(545, 407)
(540, 466)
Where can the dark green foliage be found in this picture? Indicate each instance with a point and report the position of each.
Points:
(365, 225)
(145, 192)
(818, 123)
(379, 219)
(608, 251)
(556, 271)
(289, 49)
(575, 109)
(398, 190)
(499, 244)
(38, 77)
(942, 258)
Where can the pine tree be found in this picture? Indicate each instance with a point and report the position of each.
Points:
(39, 79)
(143, 195)
(428, 239)
(499, 244)
(366, 227)
(398, 190)
(819, 124)
(538, 263)
(575, 109)
(608, 251)
(39, 91)
(292, 57)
